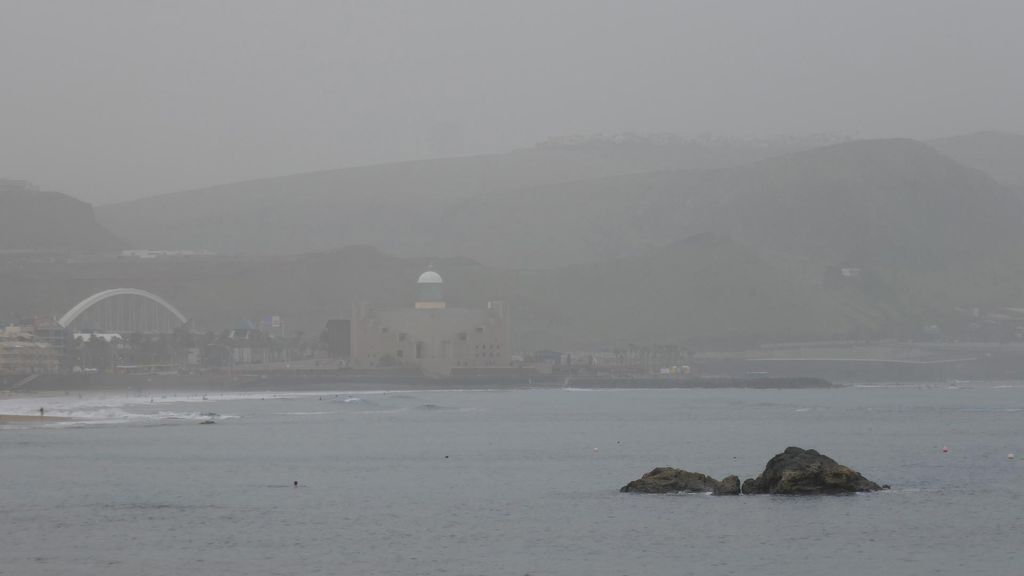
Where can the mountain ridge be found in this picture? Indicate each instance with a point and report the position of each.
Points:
(33, 219)
(334, 205)
(751, 251)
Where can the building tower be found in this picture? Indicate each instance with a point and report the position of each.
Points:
(428, 291)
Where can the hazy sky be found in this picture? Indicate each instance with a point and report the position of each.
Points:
(108, 100)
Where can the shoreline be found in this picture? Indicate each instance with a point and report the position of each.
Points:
(326, 381)
(25, 419)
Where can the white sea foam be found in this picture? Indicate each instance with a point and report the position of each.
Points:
(111, 408)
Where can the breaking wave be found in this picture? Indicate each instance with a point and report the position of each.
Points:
(109, 409)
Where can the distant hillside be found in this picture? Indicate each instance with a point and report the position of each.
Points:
(999, 154)
(32, 219)
(745, 251)
(549, 207)
(892, 203)
(395, 207)
(705, 289)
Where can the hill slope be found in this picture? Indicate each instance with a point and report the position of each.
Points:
(847, 202)
(612, 259)
(894, 202)
(705, 289)
(999, 154)
(393, 206)
(31, 219)
(702, 290)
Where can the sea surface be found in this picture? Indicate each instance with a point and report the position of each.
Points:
(509, 482)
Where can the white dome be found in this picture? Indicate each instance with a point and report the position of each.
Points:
(430, 277)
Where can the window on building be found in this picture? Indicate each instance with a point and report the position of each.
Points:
(402, 336)
(462, 336)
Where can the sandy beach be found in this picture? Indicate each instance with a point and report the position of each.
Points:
(23, 419)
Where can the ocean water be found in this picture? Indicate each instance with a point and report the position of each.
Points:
(509, 482)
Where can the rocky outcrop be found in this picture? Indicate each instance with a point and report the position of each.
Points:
(798, 471)
(668, 480)
(794, 471)
(729, 486)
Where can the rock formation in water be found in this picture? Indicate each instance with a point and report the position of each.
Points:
(665, 480)
(795, 471)
(798, 471)
(729, 486)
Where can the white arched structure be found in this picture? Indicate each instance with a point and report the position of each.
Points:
(91, 301)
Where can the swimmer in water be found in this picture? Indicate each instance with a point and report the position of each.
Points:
(41, 412)
(295, 483)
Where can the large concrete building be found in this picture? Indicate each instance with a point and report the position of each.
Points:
(429, 335)
(22, 353)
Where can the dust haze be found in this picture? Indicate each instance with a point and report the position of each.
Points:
(110, 101)
(594, 179)
(381, 287)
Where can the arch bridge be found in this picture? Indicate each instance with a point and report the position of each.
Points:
(123, 310)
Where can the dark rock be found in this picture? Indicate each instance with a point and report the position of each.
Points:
(799, 471)
(664, 480)
(729, 486)
(750, 486)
